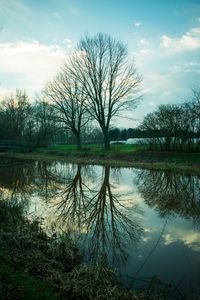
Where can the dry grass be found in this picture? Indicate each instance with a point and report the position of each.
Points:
(36, 266)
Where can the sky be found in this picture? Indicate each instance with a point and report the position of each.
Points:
(163, 37)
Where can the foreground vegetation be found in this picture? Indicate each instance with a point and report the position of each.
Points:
(36, 266)
(120, 155)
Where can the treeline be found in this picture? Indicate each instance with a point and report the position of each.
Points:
(118, 134)
(38, 123)
(171, 127)
(175, 127)
(23, 121)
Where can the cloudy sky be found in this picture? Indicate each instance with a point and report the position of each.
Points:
(162, 36)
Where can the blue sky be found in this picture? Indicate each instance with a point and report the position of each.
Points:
(162, 36)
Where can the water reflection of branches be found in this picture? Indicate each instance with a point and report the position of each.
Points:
(171, 193)
(73, 198)
(50, 177)
(112, 224)
(105, 223)
(92, 204)
(15, 181)
(55, 179)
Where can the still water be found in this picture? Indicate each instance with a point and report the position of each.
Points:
(144, 222)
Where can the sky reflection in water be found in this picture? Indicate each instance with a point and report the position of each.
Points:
(144, 222)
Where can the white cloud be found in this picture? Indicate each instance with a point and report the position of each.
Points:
(167, 78)
(188, 67)
(187, 237)
(28, 47)
(28, 64)
(137, 24)
(190, 41)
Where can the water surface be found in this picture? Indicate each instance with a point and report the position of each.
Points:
(143, 222)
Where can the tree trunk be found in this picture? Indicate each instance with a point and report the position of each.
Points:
(106, 139)
(78, 141)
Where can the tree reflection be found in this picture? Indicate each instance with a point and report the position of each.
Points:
(74, 195)
(171, 193)
(113, 221)
(16, 180)
(93, 204)
(100, 212)
(24, 179)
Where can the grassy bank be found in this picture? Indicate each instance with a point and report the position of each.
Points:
(136, 156)
(36, 266)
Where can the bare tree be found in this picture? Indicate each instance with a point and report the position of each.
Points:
(110, 81)
(194, 105)
(45, 125)
(175, 127)
(67, 97)
(16, 112)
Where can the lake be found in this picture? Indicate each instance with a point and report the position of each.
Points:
(145, 223)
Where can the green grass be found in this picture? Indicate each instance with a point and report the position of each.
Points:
(130, 153)
(92, 149)
(119, 155)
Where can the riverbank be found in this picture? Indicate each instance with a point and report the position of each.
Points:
(36, 266)
(119, 156)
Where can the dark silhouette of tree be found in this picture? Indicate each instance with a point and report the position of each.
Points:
(101, 65)
(106, 226)
(45, 126)
(174, 127)
(114, 134)
(15, 110)
(73, 197)
(112, 226)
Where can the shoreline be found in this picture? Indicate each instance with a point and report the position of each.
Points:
(125, 161)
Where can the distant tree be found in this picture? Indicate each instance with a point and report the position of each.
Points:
(175, 126)
(130, 133)
(45, 122)
(124, 134)
(165, 123)
(196, 113)
(192, 118)
(114, 134)
(15, 110)
(3, 125)
(94, 135)
(110, 80)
